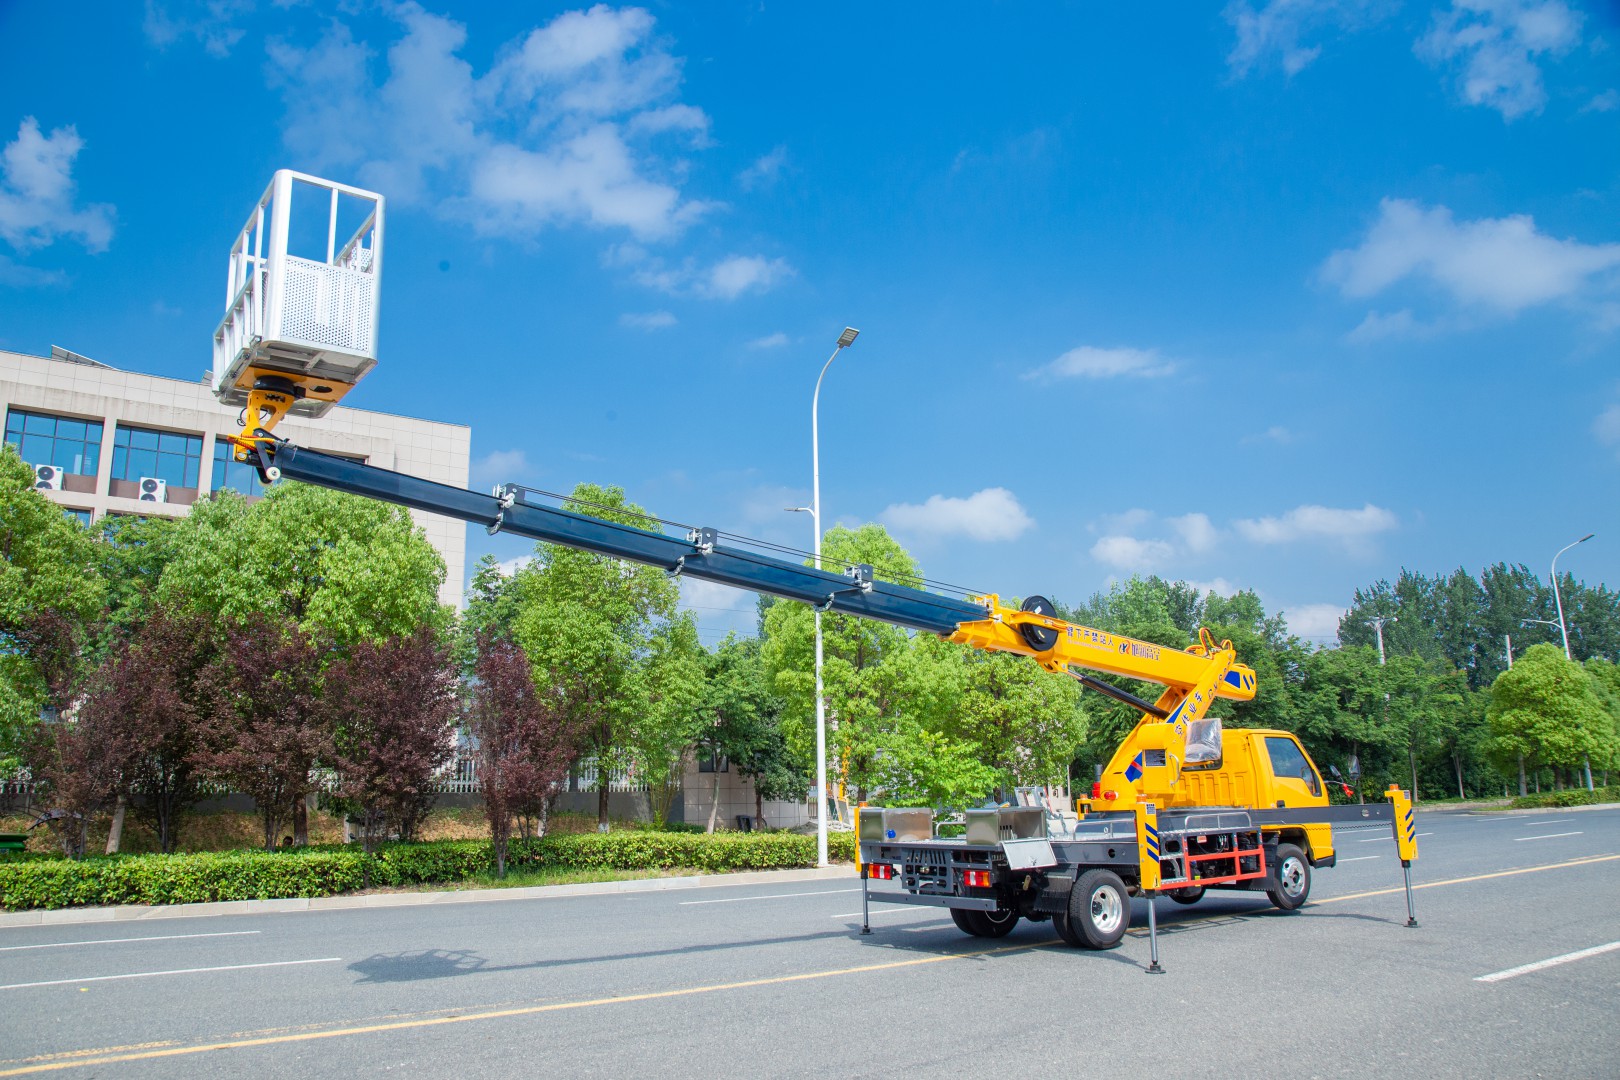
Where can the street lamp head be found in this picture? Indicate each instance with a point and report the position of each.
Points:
(847, 338)
(1582, 540)
(797, 509)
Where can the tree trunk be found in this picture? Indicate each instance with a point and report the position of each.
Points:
(714, 797)
(759, 809)
(601, 799)
(115, 832)
(1411, 758)
(269, 828)
(1456, 759)
(301, 821)
(1523, 789)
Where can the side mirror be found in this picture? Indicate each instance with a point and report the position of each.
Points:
(1334, 769)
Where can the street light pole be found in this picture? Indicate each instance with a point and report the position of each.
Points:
(1564, 630)
(1411, 754)
(845, 340)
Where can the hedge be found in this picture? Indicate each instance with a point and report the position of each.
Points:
(330, 870)
(1548, 800)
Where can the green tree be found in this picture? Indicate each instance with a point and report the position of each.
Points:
(49, 591)
(588, 624)
(344, 567)
(670, 690)
(742, 723)
(1026, 722)
(859, 694)
(1547, 712)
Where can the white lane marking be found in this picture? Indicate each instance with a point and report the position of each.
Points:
(1549, 821)
(121, 940)
(1362, 858)
(176, 971)
(891, 910)
(1548, 836)
(1554, 961)
(772, 896)
(1378, 840)
(1415, 835)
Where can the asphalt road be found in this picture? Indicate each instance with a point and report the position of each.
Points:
(776, 981)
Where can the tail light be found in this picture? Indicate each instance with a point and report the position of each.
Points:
(1096, 790)
(880, 870)
(1110, 796)
(976, 879)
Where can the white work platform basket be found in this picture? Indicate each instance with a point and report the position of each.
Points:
(301, 301)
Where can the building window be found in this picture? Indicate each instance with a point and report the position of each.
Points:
(71, 445)
(713, 763)
(81, 516)
(170, 457)
(232, 475)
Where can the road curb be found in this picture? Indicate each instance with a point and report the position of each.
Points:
(149, 912)
(1545, 810)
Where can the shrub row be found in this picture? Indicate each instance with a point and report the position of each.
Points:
(1548, 800)
(328, 871)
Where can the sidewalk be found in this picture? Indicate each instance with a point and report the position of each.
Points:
(147, 913)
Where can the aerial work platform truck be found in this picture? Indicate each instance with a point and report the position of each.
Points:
(1182, 807)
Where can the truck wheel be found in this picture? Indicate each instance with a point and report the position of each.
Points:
(964, 922)
(1293, 878)
(1187, 896)
(1099, 909)
(994, 924)
(1060, 922)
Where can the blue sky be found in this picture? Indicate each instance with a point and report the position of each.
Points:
(1278, 295)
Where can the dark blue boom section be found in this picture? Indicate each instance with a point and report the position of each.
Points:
(698, 554)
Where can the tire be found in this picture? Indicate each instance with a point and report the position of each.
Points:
(1293, 873)
(986, 924)
(994, 924)
(1099, 910)
(1189, 895)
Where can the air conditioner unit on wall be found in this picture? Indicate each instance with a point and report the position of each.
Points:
(47, 478)
(154, 490)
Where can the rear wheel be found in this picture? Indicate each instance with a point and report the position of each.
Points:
(963, 922)
(1187, 896)
(1099, 910)
(1293, 873)
(994, 924)
(1060, 922)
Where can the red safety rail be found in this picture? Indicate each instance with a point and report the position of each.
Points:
(1234, 857)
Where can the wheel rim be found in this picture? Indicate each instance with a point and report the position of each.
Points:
(1106, 909)
(1292, 876)
(999, 917)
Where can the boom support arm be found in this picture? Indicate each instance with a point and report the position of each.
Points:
(1146, 765)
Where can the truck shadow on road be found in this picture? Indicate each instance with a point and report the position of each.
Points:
(432, 964)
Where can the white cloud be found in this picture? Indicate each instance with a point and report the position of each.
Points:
(769, 341)
(1276, 433)
(209, 23)
(1314, 622)
(764, 171)
(37, 192)
(991, 514)
(720, 609)
(1347, 526)
(1607, 426)
(1196, 533)
(1608, 101)
(1496, 44)
(19, 275)
(1220, 587)
(1398, 325)
(1087, 362)
(1278, 28)
(647, 320)
(1127, 553)
(727, 279)
(560, 130)
(500, 466)
(510, 567)
(1501, 263)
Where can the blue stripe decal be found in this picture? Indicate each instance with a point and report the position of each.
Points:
(1133, 771)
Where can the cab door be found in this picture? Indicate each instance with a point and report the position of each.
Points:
(1294, 781)
(1293, 778)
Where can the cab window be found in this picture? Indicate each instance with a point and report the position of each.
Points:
(1287, 760)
